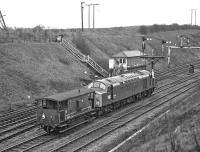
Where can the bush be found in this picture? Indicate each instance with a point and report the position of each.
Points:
(162, 28)
(143, 29)
(64, 61)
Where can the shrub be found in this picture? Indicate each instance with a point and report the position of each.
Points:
(64, 61)
(162, 28)
(143, 29)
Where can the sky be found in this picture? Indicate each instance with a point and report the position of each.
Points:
(109, 13)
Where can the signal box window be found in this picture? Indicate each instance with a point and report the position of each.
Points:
(122, 60)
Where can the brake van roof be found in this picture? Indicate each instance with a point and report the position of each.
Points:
(69, 94)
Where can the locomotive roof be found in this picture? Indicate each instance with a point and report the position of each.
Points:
(69, 94)
(139, 74)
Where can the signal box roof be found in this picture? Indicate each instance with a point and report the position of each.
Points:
(128, 54)
(69, 94)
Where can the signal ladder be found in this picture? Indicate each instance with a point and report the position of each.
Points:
(84, 58)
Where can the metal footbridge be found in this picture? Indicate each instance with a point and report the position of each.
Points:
(84, 58)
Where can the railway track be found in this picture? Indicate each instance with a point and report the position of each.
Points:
(17, 121)
(80, 141)
(180, 66)
(16, 130)
(81, 136)
(173, 83)
(46, 139)
(16, 117)
(176, 70)
(21, 128)
(36, 140)
(125, 143)
(9, 114)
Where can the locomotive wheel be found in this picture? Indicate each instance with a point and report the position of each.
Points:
(48, 129)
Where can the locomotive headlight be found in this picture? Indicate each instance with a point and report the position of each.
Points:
(43, 116)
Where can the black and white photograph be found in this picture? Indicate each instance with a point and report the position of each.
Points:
(99, 76)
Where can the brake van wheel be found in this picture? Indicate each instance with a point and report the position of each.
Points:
(99, 113)
(45, 128)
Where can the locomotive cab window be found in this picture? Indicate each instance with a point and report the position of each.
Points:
(97, 85)
(102, 86)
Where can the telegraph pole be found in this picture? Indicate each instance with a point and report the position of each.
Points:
(82, 15)
(143, 45)
(191, 15)
(89, 14)
(195, 16)
(94, 14)
(195, 13)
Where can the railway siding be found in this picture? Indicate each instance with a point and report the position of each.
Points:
(64, 141)
(19, 112)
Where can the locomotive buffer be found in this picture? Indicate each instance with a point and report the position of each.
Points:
(152, 60)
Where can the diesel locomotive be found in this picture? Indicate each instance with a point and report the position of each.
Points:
(99, 97)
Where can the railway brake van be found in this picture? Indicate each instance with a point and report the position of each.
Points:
(64, 109)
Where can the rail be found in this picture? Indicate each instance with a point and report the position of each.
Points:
(87, 59)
